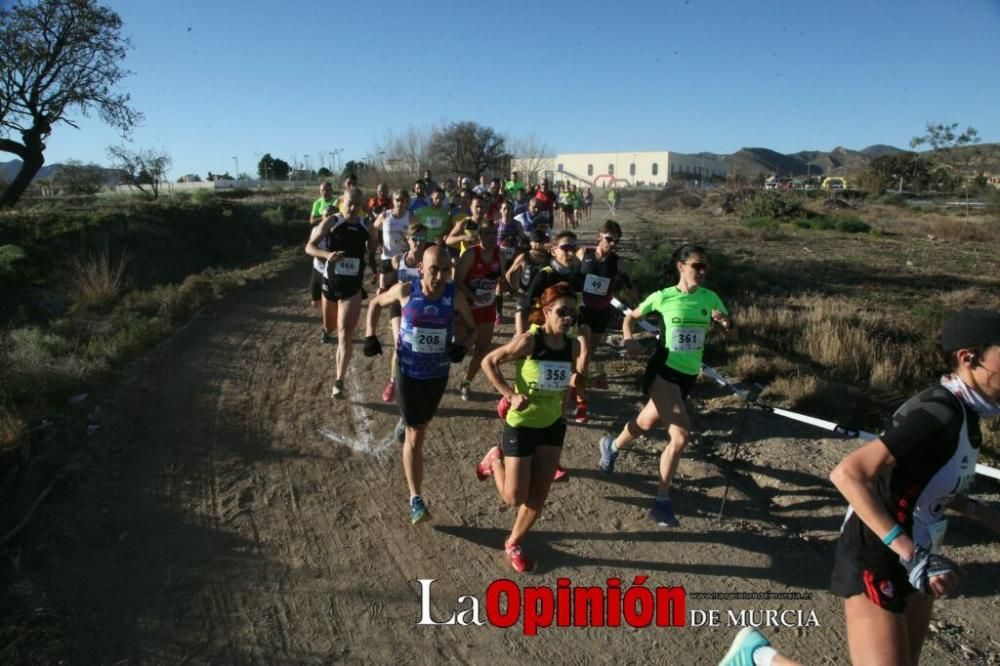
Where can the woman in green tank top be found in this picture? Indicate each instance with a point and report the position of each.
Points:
(688, 311)
(534, 427)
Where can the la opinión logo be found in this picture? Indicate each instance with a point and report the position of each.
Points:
(566, 605)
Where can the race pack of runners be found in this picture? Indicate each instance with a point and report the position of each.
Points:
(446, 259)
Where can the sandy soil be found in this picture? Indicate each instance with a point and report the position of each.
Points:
(231, 512)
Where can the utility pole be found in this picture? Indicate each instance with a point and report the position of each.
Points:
(237, 174)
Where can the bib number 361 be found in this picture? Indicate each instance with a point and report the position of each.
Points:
(687, 339)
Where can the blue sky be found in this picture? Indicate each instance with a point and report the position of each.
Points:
(222, 79)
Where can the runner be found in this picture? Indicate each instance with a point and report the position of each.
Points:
(688, 311)
(534, 427)
(419, 198)
(405, 268)
(566, 207)
(379, 203)
(426, 350)
(465, 228)
(429, 183)
(512, 241)
(522, 272)
(599, 266)
(547, 199)
(532, 216)
(350, 240)
(888, 565)
(577, 198)
(435, 217)
(493, 199)
(390, 231)
(588, 203)
(564, 267)
(328, 333)
(513, 186)
(480, 272)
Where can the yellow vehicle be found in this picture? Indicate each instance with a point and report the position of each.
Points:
(834, 183)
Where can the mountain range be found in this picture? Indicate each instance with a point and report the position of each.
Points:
(746, 161)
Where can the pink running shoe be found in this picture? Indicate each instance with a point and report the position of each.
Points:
(389, 392)
(561, 474)
(581, 412)
(484, 469)
(498, 319)
(503, 406)
(517, 558)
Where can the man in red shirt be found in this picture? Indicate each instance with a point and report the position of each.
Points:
(546, 198)
(380, 202)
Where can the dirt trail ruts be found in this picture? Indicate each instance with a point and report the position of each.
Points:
(234, 513)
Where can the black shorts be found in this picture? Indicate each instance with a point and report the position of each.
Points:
(385, 266)
(657, 367)
(597, 320)
(395, 310)
(520, 442)
(316, 284)
(886, 586)
(567, 209)
(418, 399)
(341, 289)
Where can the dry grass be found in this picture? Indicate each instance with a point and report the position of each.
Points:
(98, 280)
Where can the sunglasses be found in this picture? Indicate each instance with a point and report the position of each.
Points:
(698, 265)
(418, 239)
(610, 239)
(566, 247)
(564, 312)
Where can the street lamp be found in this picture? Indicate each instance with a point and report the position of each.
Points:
(237, 160)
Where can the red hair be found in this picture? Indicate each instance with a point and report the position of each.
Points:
(548, 297)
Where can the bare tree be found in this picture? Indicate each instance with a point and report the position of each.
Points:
(404, 153)
(75, 177)
(468, 149)
(532, 156)
(57, 57)
(141, 169)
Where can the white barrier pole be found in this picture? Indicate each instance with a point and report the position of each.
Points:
(714, 375)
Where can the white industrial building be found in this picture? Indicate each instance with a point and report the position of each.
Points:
(622, 169)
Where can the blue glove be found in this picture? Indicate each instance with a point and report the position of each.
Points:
(923, 566)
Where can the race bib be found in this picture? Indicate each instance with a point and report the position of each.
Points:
(347, 266)
(684, 339)
(936, 531)
(429, 340)
(553, 375)
(433, 222)
(596, 285)
(485, 297)
(508, 253)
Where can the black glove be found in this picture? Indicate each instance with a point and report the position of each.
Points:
(456, 353)
(372, 346)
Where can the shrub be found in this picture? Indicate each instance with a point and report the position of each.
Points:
(10, 256)
(851, 224)
(774, 204)
(201, 197)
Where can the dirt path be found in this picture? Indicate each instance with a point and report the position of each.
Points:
(234, 513)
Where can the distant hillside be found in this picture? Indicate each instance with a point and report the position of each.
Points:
(8, 170)
(753, 161)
